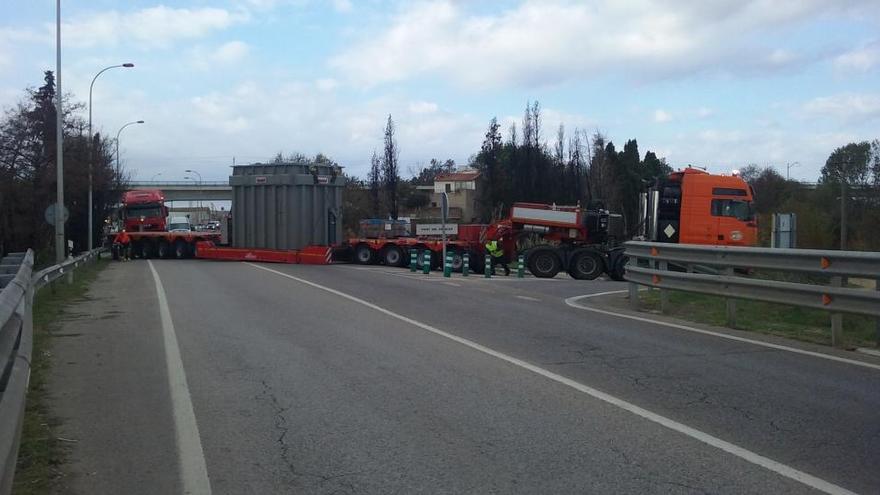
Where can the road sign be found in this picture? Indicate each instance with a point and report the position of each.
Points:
(49, 215)
(436, 229)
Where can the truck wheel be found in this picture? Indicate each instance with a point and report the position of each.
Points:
(544, 263)
(163, 250)
(392, 256)
(618, 269)
(145, 250)
(586, 265)
(181, 250)
(364, 255)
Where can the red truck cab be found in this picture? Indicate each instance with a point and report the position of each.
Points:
(144, 211)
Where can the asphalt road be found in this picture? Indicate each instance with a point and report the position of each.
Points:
(347, 379)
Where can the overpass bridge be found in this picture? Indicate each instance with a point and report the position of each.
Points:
(188, 190)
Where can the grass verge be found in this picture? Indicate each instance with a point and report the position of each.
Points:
(806, 324)
(41, 453)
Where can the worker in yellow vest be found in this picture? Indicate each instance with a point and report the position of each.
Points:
(496, 253)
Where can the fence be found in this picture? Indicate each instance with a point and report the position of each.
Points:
(673, 266)
(17, 287)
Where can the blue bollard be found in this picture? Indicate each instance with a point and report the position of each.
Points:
(487, 270)
(413, 260)
(521, 266)
(465, 264)
(426, 262)
(447, 265)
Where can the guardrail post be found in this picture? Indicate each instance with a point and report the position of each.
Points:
(465, 264)
(521, 266)
(634, 296)
(413, 260)
(487, 267)
(664, 294)
(730, 303)
(447, 265)
(837, 318)
(426, 262)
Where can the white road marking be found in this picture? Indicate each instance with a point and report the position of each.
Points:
(730, 448)
(572, 301)
(528, 298)
(190, 456)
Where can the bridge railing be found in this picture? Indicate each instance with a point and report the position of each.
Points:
(179, 183)
(672, 266)
(18, 284)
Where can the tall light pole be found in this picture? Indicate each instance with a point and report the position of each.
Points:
(117, 143)
(788, 167)
(59, 139)
(91, 143)
(200, 183)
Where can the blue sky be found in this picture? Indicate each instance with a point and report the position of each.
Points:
(719, 84)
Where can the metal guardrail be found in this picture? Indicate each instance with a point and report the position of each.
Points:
(649, 265)
(18, 285)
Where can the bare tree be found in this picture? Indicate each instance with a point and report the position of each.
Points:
(390, 172)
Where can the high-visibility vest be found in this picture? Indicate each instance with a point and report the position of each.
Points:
(492, 248)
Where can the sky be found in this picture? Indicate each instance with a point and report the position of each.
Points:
(718, 84)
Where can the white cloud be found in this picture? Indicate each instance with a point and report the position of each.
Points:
(342, 6)
(704, 113)
(861, 59)
(231, 52)
(847, 107)
(158, 26)
(542, 42)
(419, 107)
(326, 84)
(661, 116)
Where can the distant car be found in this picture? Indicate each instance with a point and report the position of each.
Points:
(179, 224)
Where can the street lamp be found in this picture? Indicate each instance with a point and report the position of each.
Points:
(117, 145)
(788, 167)
(199, 203)
(154, 176)
(127, 65)
(59, 142)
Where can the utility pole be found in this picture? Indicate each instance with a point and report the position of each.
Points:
(842, 214)
(60, 248)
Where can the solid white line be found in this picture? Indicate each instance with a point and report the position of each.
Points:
(747, 455)
(572, 301)
(190, 456)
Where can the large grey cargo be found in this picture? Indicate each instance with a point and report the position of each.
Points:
(286, 206)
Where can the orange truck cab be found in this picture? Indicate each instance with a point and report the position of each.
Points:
(694, 207)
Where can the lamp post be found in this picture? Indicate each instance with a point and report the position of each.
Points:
(117, 145)
(199, 203)
(59, 139)
(91, 142)
(788, 167)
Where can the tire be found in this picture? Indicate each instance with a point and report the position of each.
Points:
(163, 250)
(181, 249)
(393, 256)
(586, 265)
(544, 263)
(145, 250)
(618, 269)
(363, 255)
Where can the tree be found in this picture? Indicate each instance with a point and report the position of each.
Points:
(374, 180)
(850, 164)
(488, 162)
(426, 175)
(390, 167)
